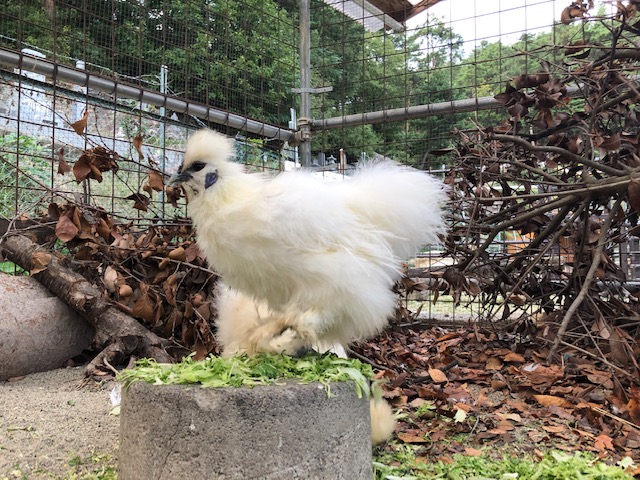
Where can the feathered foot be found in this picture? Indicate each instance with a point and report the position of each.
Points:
(285, 333)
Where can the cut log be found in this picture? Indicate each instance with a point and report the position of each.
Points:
(38, 331)
(117, 334)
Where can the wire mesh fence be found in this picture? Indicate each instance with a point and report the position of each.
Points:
(126, 81)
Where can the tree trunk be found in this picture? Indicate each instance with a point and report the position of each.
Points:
(117, 334)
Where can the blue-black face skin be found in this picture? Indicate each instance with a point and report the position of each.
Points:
(210, 178)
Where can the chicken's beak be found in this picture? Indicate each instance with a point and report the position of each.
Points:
(179, 179)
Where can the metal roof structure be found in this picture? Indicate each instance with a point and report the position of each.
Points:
(375, 15)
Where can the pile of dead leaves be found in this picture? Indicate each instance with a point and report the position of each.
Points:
(467, 389)
(156, 275)
(151, 270)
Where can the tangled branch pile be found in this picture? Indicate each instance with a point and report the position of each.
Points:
(561, 177)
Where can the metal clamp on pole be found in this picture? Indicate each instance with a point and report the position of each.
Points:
(304, 128)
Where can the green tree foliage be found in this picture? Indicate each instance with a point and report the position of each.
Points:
(24, 169)
(236, 55)
(378, 71)
(485, 71)
(242, 56)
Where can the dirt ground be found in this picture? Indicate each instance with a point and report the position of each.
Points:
(53, 419)
(513, 405)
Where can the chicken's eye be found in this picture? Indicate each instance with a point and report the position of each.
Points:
(197, 166)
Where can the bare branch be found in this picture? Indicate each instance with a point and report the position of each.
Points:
(597, 257)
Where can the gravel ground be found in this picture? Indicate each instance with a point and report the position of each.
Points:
(51, 421)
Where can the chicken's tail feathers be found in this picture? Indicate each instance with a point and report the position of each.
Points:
(383, 421)
(406, 203)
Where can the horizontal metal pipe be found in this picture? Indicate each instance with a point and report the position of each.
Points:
(407, 113)
(179, 105)
(112, 87)
(418, 111)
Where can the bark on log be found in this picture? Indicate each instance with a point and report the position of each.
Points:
(117, 334)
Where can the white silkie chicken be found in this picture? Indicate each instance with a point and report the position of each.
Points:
(319, 259)
(309, 264)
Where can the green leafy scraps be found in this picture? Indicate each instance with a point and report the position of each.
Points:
(245, 371)
(403, 464)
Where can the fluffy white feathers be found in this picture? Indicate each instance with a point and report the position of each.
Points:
(318, 259)
(244, 326)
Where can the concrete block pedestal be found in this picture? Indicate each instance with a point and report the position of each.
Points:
(274, 432)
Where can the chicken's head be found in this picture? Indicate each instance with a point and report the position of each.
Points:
(205, 163)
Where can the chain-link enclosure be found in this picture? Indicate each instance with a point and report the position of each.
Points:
(109, 90)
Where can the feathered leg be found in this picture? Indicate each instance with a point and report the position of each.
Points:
(245, 326)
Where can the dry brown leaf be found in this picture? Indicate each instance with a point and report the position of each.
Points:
(188, 309)
(576, 10)
(110, 278)
(611, 142)
(513, 357)
(173, 194)
(417, 402)
(103, 229)
(178, 253)
(473, 452)
(493, 363)
(93, 162)
(39, 262)
(156, 182)
(198, 299)
(473, 287)
(75, 215)
(204, 311)
(140, 201)
(437, 375)
(498, 384)
(601, 327)
(80, 126)
(66, 229)
(549, 400)
(506, 425)
(604, 442)
(541, 375)
(509, 416)
(200, 349)
(193, 252)
(500, 430)
(137, 143)
(518, 300)
(620, 349)
(125, 291)
(578, 50)
(144, 308)
(63, 166)
(554, 428)
(537, 436)
(633, 406)
(82, 168)
(633, 194)
(565, 17)
(411, 438)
